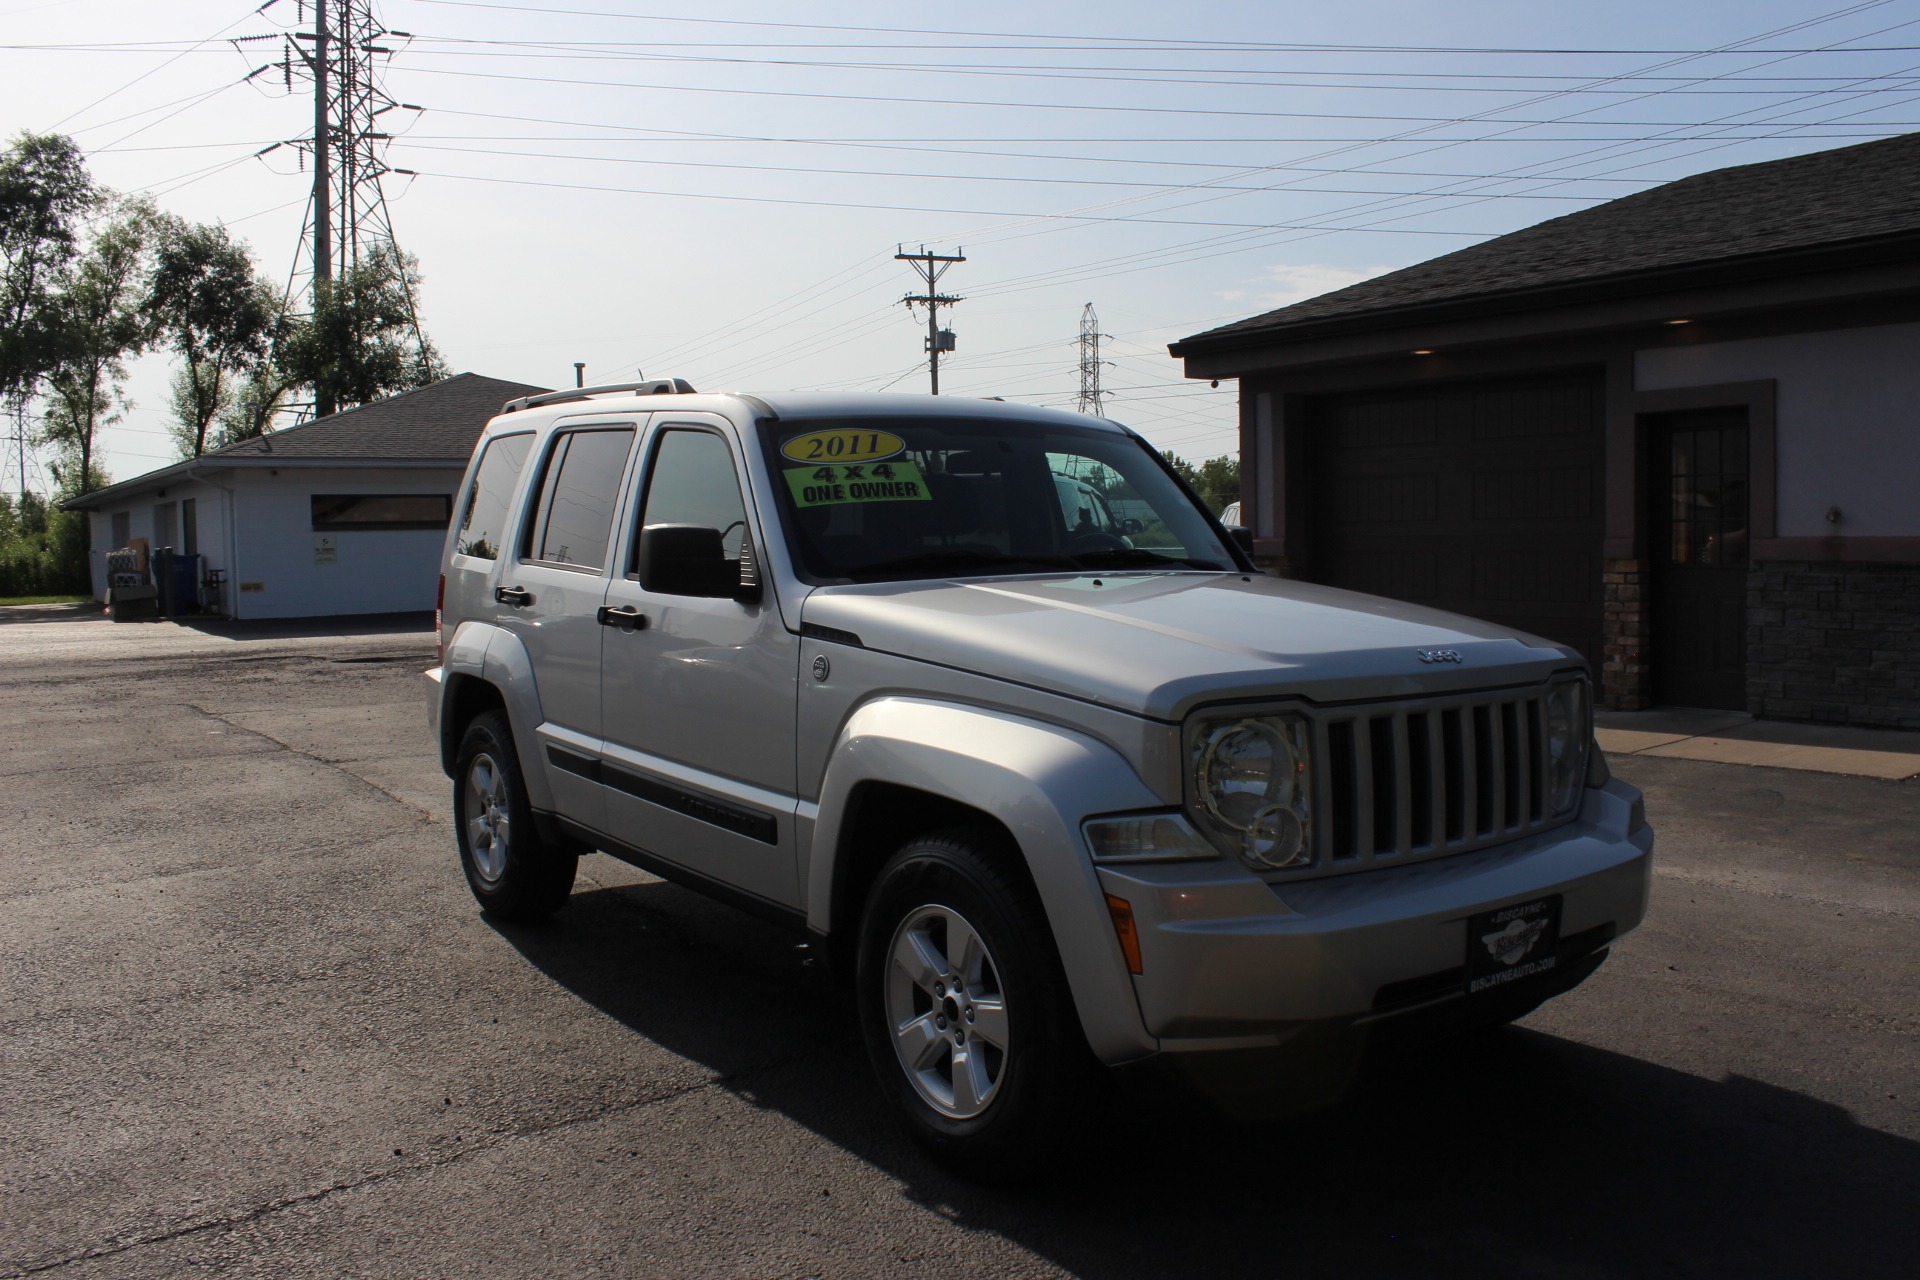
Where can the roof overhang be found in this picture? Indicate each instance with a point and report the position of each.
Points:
(201, 468)
(1861, 269)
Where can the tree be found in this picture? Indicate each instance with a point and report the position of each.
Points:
(97, 326)
(44, 193)
(1217, 480)
(357, 345)
(198, 393)
(254, 404)
(205, 300)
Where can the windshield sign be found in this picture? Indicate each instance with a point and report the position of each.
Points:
(904, 498)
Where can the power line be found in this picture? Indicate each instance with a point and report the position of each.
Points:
(1110, 41)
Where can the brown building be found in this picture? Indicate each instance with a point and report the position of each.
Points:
(1680, 430)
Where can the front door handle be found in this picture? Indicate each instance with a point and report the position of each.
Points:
(518, 597)
(626, 616)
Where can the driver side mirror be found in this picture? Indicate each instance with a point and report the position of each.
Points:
(1242, 537)
(691, 560)
(1133, 525)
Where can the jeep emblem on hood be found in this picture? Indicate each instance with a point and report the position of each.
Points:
(1438, 655)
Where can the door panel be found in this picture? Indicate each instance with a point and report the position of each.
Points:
(699, 692)
(554, 581)
(1698, 504)
(1484, 500)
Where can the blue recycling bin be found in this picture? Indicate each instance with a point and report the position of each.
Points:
(186, 584)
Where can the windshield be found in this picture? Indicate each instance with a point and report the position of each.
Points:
(873, 499)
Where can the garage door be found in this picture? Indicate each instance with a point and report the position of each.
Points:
(1485, 500)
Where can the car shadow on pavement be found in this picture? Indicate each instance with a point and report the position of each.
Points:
(1513, 1152)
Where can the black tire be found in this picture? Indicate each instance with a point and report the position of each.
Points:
(516, 876)
(1015, 1127)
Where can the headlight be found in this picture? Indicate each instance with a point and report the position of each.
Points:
(1568, 734)
(1251, 787)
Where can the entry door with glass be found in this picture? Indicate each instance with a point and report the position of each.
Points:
(1700, 507)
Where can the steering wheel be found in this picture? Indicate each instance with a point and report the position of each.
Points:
(1088, 543)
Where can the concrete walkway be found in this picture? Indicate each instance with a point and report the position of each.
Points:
(1728, 737)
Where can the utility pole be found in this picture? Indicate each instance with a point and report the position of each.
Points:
(1091, 397)
(931, 267)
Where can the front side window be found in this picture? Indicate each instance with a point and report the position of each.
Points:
(692, 481)
(876, 499)
(573, 523)
(483, 519)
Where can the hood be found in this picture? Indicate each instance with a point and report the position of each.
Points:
(1161, 644)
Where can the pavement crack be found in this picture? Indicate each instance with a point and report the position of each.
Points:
(482, 1146)
(426, 813)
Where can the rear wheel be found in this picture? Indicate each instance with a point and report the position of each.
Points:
(964, 1007)
(512, 872)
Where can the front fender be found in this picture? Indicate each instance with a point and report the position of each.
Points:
(1039, 781)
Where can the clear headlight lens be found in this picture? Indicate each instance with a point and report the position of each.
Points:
(1251, 787)
(1568, 733)
(1145, 837)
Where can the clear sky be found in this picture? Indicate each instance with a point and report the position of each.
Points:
(716, 191)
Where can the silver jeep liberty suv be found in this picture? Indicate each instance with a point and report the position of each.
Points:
(981, 698)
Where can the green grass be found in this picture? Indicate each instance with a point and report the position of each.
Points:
(7, 600)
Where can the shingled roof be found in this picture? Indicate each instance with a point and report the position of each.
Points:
(434, 424)
(1754, 219)
(441, 420)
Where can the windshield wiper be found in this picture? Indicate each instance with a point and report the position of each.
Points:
(942, 562)
(1140, 557)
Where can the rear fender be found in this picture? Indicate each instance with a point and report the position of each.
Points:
(1038, 781)
(481, 651)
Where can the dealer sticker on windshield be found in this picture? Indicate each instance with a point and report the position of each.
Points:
(842, 445)
(857, 482)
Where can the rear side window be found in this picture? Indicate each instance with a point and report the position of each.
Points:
(483, 520)
(574, 522)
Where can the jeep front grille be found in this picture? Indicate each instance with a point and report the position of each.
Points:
(1405, 782)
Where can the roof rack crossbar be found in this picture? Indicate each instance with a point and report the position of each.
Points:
(651, 387)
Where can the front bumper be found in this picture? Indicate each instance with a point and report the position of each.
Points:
(1233, 962)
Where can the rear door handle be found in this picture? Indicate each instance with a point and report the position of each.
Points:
(625, 616)
(515, 596)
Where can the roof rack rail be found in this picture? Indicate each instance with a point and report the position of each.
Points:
(651, 387)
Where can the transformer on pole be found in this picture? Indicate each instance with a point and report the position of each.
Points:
(931, 267)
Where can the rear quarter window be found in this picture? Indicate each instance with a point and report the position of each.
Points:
(484, 510)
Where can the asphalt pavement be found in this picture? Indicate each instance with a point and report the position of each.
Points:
(251, 1023)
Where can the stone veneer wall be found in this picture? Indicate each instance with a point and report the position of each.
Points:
(1276, 566)
(1624, 681)
(1836, 642)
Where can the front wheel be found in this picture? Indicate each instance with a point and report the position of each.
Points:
(964, 1007)
(513, 873)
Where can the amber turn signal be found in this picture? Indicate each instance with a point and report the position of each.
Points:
(1123, 928)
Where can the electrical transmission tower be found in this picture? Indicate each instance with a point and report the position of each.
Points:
(1091, 397)
(347, 217)
(13, 452)
(931, 267)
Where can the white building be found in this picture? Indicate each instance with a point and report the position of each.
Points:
(341, 515)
